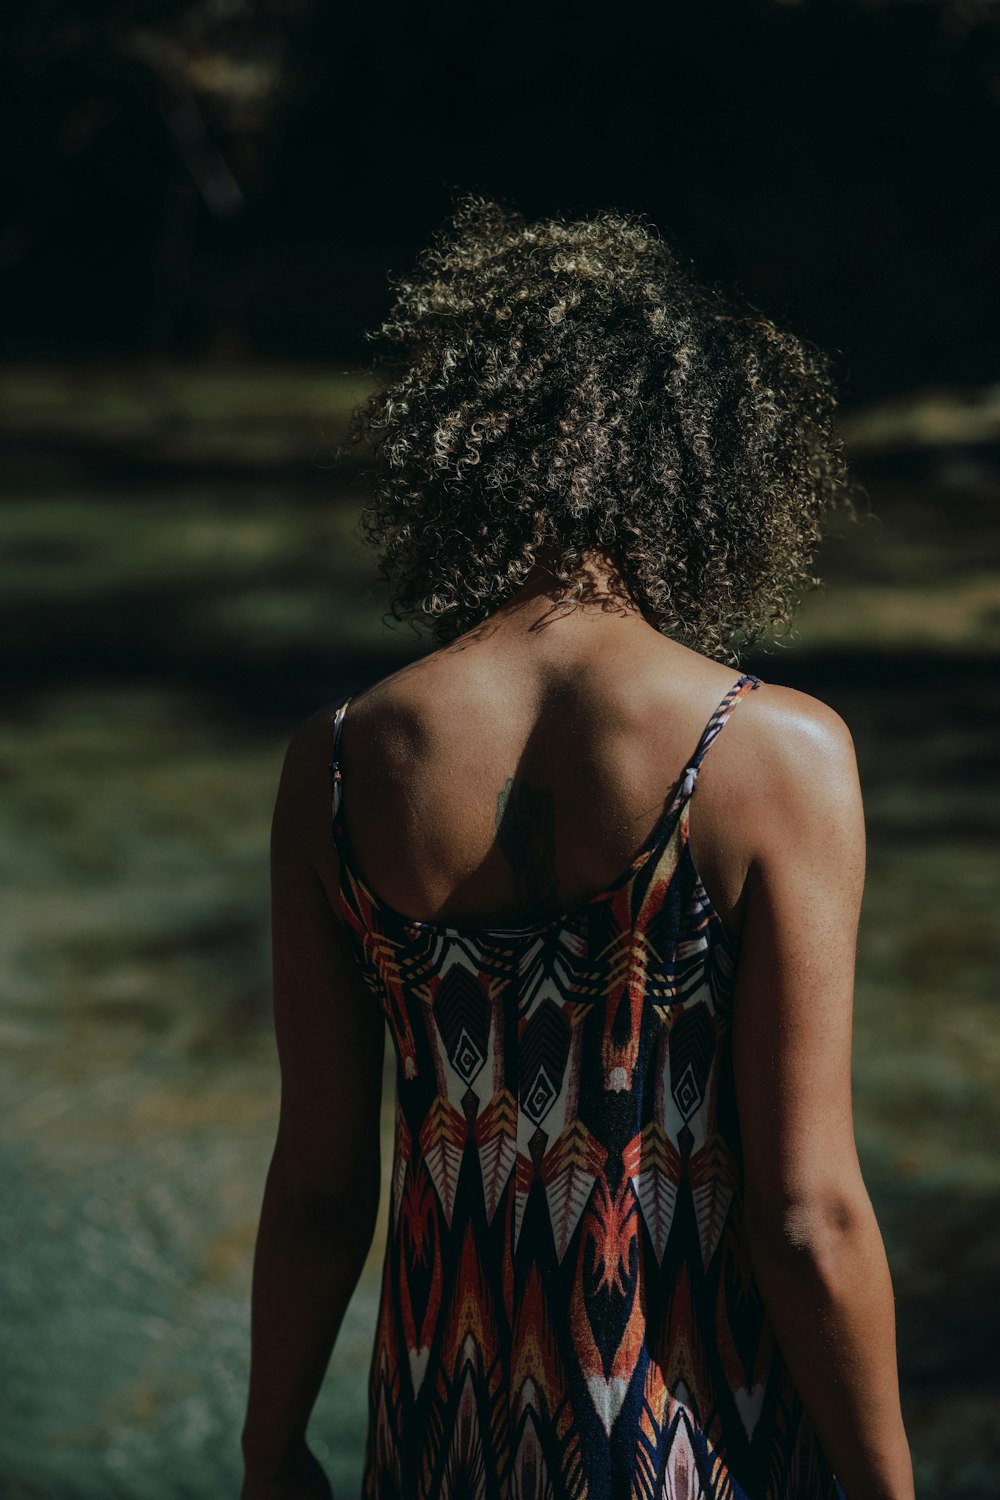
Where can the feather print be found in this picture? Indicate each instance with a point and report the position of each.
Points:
(568, 1310)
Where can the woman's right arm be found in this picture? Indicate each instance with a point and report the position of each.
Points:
(815, 1246)
(321, 1196)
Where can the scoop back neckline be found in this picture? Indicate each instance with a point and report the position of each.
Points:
(655, 841)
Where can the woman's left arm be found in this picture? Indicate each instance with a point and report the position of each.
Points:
(322, 1190)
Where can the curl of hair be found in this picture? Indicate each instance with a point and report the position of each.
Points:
(558, 388)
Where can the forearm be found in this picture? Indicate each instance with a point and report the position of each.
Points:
(825, 1283)
(306, 1265)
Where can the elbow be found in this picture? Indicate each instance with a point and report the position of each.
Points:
(351, 1217)
(818, 1229)
(348, 1209)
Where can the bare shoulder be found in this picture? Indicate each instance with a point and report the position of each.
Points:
(302, 818)
(384, 718)
(785, 711)
(799, 735)
(382, 723)
(307, 755)
(801, 771)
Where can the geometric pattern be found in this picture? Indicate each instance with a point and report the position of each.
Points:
(567, 1309)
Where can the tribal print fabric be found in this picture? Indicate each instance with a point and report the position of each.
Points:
(568, 1310)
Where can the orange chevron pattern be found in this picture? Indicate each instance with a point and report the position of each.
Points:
(568, 1310)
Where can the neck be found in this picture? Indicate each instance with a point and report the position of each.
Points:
(543, 600)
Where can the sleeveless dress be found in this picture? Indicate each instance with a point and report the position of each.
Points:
(568, 1310)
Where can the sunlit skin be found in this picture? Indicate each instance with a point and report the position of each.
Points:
(596, 711)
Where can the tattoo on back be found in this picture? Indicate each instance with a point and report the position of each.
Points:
(525, 823)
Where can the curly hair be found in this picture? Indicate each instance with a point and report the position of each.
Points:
(557, 388)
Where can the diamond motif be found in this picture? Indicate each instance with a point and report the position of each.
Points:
(466, 1058)
(687, 1094)
(541, 1097)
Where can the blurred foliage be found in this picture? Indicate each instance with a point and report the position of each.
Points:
(141, 119)
(205, 507)
(180, 582)
(212, 78)
(227, 176)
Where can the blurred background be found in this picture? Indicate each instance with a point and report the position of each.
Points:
(200, 206)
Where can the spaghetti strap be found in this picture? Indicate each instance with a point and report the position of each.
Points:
(336, 776)
(739, 689)
(689, 780)
(685, 789)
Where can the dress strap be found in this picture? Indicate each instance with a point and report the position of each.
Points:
(336, 776)
(739, 689)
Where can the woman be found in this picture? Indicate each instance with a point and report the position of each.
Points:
(630, 1251)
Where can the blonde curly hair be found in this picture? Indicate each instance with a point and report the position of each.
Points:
(555, 388)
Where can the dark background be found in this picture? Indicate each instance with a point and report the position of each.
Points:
(199, 209)
(185, 178)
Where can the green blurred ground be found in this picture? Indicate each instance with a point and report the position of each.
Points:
(180, 583)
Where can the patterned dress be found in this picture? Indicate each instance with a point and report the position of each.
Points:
(568, 1310)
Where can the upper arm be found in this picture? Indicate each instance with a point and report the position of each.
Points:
(793, 1006)
(330, 1031)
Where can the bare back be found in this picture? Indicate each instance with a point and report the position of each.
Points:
(507, 781)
